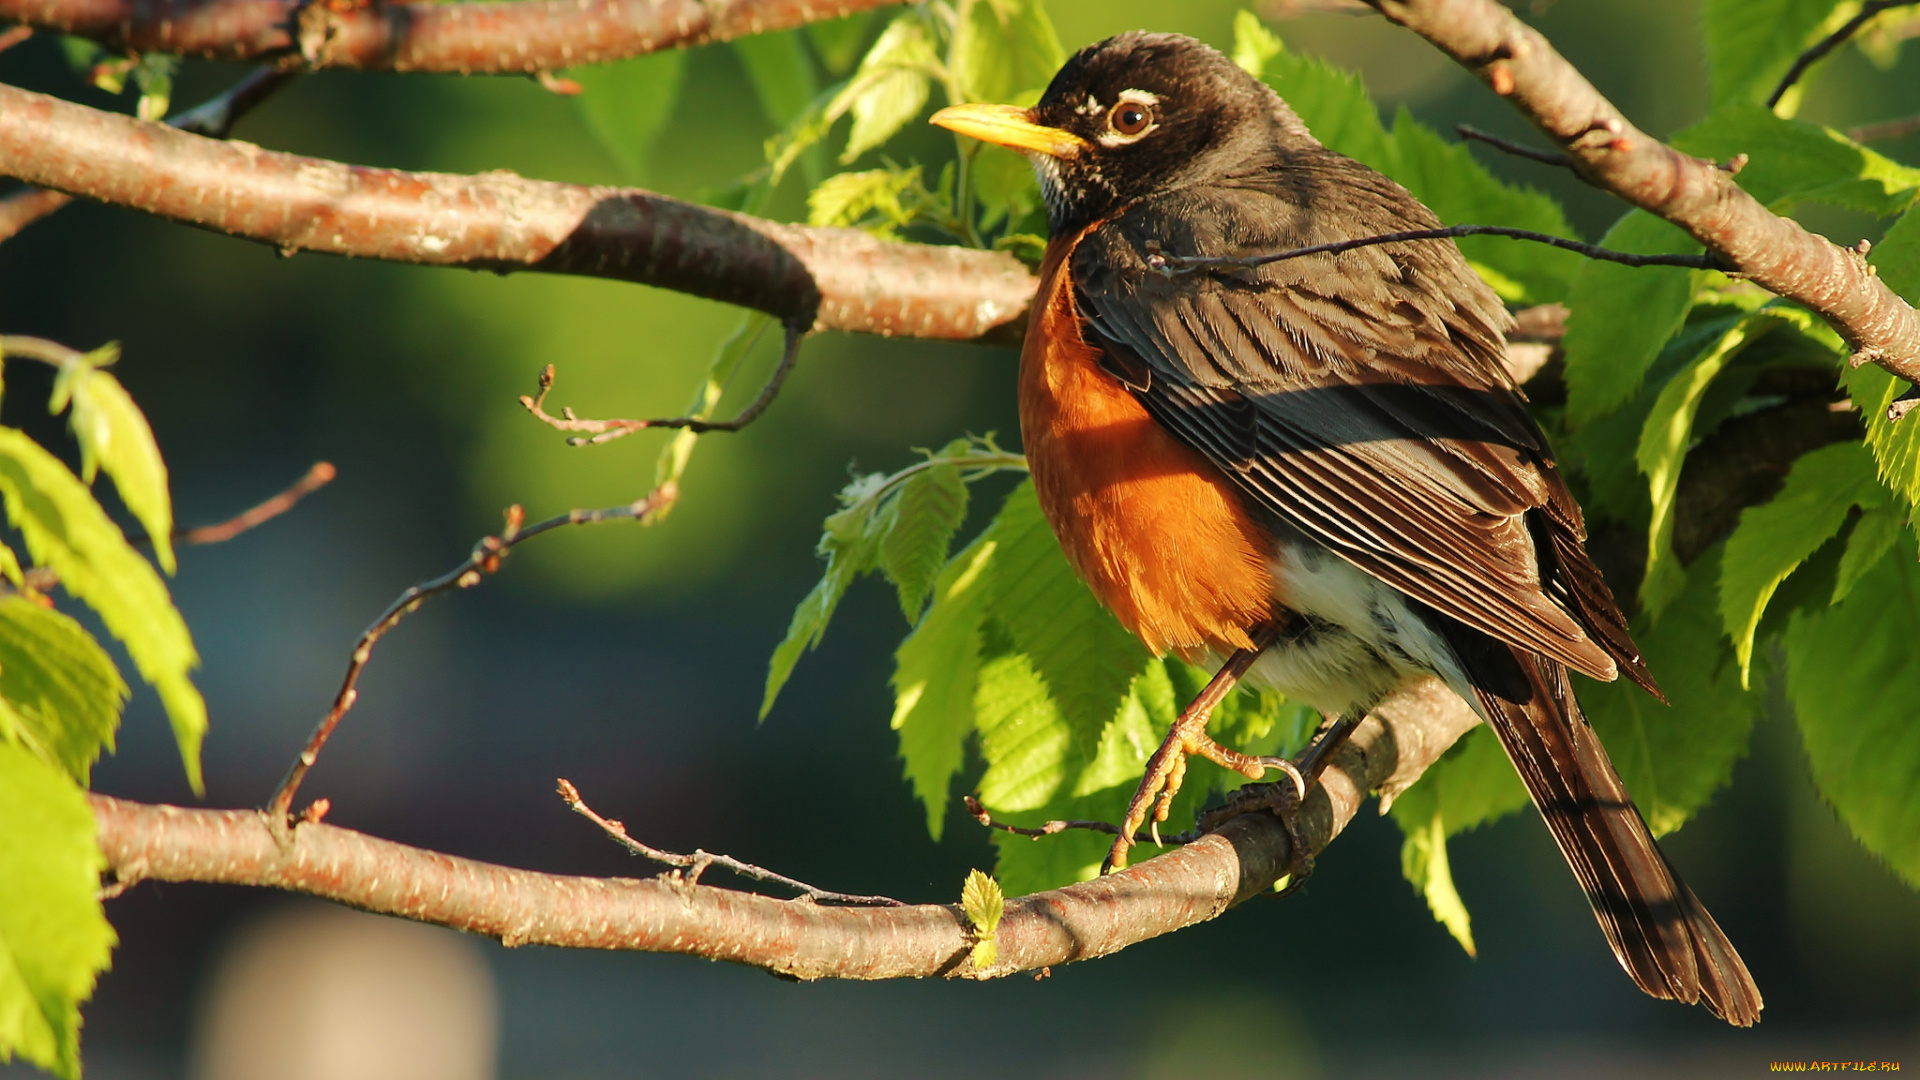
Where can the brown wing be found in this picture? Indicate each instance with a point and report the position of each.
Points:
(1359, 397)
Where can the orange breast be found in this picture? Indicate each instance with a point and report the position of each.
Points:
(1158, 532)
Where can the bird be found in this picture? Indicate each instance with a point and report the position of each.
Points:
(1316, 474)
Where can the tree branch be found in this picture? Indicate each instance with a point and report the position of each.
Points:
(523, 37)
(791, 937)
(1812, 56)
(839, 279)
(1610, 153)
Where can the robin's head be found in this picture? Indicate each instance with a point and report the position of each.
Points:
(1134, 114)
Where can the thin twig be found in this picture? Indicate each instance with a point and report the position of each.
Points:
(1886, 129)
(15, 36)
(697, 862)
(1829, 43)
(1051, 828)
(1185, 264)
(317, 477)
(213, 118)
(600, 431)
(1545, 157)
(484, 560)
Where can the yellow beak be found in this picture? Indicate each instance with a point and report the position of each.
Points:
(1007, 125)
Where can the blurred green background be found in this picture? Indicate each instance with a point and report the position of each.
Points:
(630, 660)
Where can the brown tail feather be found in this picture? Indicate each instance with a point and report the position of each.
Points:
(1659, 930)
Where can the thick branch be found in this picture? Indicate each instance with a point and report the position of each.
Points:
(839, 279)
(1775, 252)
(506, 36)
(809, 941)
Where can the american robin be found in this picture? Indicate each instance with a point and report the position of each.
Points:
(1316, 472)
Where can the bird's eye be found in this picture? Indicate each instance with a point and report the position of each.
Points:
(1130, 118)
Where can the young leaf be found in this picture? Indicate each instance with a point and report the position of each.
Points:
(66, 531)
(889, 88)
(1002, 48)
(871, 198)
(929, 509)
(1664, 439)
(1791, 162)
(1774, 538)
(113, 433)
(59, 686)
(1751, 43)
(1872, 537)
(1086, 658)
(1674, 759)
(54, 937)
(627, 104)
(1026, 742)
(1622, 315)
(850, 543)
(153, 74)
(1472, 784)
(1423, 861)
(934, 677)
(1852, 675)
(985, 904)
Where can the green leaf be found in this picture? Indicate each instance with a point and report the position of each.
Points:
(934, 677)
(1253, 44)
(1791, 162)
(1674, 758)
(1002, 48)
(838, 41)
(851, 545)
(1087, 659)
(1872, 537)
(627, 104)
(984, 903)
(1423, 861)
(1853, 675)
(871, 198)
(1331, 102)
(61, 690)
(1026, 742)
(781, 73)
(1774, 538)
(1664, 440)
(54, 937)
(113, 433)
(890, 86)
(1751, 43)
(153, 74)
(931, 506)
(1896, 447)
(1004, 183)
(66, 531)
(1620, 316)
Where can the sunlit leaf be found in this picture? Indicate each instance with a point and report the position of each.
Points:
(1003, 47)
(871, 198)
(54, 938)
(1775, 537)
(66, 531)
(113, 434)
(984, 903)
(627, 104)
(1751, 43)
(850, 543)
(1872, 537)
(934, 679)
(61, 689)
(931, 506)
(1853, 676)
(890, 86)
(1423, 861)
(838, 41)
(1472, 784)
(1791, 162)
(1622, 315)
(1895, 446)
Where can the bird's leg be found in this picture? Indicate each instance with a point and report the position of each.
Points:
(1167, 768)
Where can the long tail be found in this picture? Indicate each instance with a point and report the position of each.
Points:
(1659, 930)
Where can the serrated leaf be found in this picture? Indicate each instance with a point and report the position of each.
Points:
(54, 937)
(1853, 675)
(1087, 659)
(1895, 446)
(1790, 162)
(1003, 47)
(1027, 743)
(61, 689)
(890, 86)
(66, 531)
(1774, 538)
(855, 198)
(1751, 43)
(627, 103)
(1423, 861)
(113, 434)
(1332, 103)
(934, 678)
(1664, 440)
(1472, 784)
(930, 508)
(1253, 44)
(850, 544)
(1620, 316)
(984, 904)
(1674, 758)
(153, 74)
(1872, 537)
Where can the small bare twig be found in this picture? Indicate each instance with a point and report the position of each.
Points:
(600, 431)
(485, 559)
(693, 865)
(213, 118)
(1050, 828)
(1186, 264)
(15, 36)
(1829, 43)
(1884, 130)
(317, 477)
(1545, 157)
